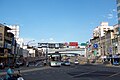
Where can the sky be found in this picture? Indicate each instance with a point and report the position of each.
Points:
(57, 20)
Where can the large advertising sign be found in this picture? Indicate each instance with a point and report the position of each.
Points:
(73, 43)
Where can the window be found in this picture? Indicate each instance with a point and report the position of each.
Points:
(0, 36)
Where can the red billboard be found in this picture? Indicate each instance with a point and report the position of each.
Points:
(73, 43)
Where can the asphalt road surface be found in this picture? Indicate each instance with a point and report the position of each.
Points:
(75, 72)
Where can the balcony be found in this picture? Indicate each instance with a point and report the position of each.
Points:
(8, 38)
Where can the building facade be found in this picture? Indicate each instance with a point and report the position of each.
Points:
(99, 31)
(102, 37)
(118, 27)
(118, 10)
(15, 30)
(7, 45)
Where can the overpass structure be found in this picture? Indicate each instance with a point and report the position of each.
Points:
(80, 51)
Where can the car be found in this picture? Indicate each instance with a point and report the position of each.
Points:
(76, 62)
(66, 63)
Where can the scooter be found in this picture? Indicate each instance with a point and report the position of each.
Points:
(15, 77)
(19, 76)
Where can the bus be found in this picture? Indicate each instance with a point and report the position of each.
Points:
(55, 59)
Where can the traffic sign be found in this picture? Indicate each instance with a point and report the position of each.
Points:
(95, 45)
(95, 52)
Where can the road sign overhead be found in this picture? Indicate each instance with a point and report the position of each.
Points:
(83, 44)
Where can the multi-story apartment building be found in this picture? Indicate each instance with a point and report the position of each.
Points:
(101, 34)
(7, 45)
(118, 10)
(116, 40)
(99, 31)
(118, 26)
(108, 45)
(19, 41)
(15, 30)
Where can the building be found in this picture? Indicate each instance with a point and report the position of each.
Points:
(102, 37)
(116, 40)
(118, 27)
(99, 31)
(118, 10)
(15, 30)
(7, 45)
(107, 47)
(96, 32)
(105, 41)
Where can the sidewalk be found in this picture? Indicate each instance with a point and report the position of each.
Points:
(107, 65)
(25, 69)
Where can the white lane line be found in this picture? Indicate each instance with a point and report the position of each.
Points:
(35, 69)
(113, 75)
(84, 73)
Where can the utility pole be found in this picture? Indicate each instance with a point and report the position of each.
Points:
(47, 54)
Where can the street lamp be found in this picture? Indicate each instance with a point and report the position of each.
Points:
(29, 42)
(46, 54)
(30, 55)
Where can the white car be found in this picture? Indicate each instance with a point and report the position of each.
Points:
(76, 62)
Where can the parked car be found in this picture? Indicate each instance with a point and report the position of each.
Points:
(76, 62)
(66, 63)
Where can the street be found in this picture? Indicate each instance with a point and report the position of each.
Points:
(74, 72)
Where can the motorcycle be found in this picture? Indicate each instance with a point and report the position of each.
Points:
(19, 76)
(15, 77)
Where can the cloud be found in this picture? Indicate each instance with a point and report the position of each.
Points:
(26, 40)
(114, 10)
(51, 39)
(110, 16)
(47, 40)
(42, 40)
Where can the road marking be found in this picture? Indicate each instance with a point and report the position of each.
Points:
(35, 69)
(113, 75)
(28, 70)
(84, 73)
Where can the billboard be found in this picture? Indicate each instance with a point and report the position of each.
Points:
(73, 43)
